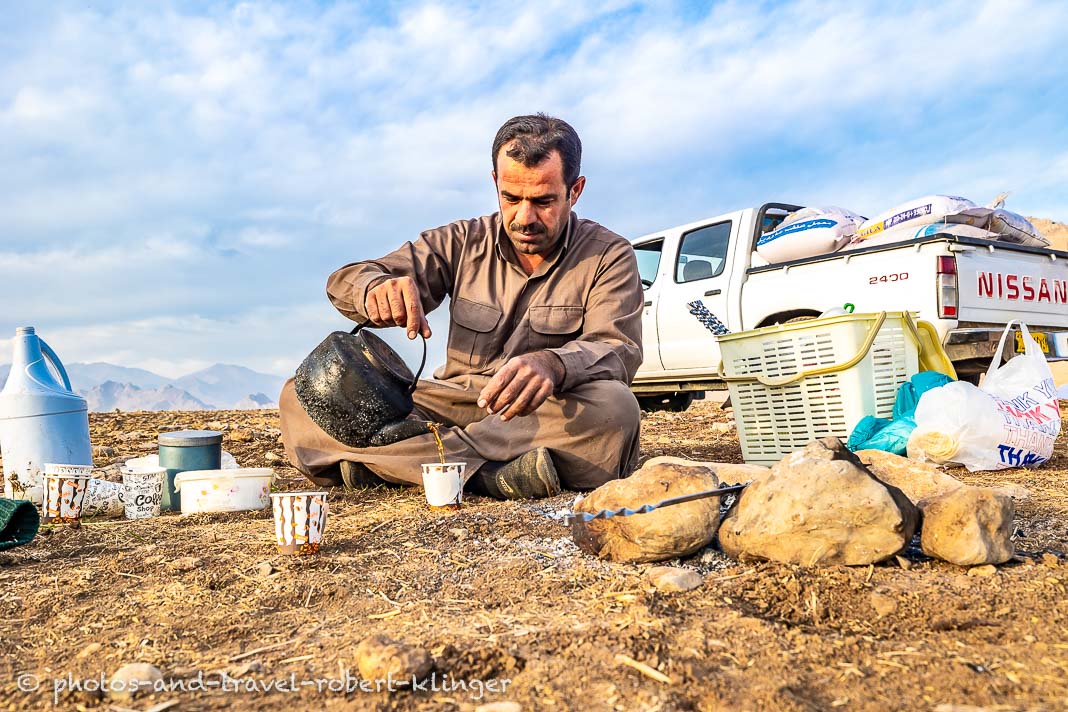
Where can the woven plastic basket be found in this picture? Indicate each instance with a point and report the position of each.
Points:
(793, 383)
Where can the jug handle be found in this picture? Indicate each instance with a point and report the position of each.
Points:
(422, 363)
(56, 363)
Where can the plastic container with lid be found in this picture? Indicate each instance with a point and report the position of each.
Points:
(187, 450)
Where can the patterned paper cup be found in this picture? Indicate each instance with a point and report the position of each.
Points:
(443, 484)
(144, 491)
(299, 520)
(64, 492)
(103, 498)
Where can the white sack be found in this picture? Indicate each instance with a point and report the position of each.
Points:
(807, 233)
(1012, 421)
(921, 211)
(904, 233)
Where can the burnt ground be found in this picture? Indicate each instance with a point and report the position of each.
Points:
(497, 592)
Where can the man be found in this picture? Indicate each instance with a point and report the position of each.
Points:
(544, 336)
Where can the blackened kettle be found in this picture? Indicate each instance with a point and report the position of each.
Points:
(354, 385)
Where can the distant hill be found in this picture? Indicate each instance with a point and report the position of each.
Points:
(106, 387)
(223, 383)
(1057, 232)
(125, 396)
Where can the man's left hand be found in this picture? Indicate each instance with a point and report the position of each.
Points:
(522, 384)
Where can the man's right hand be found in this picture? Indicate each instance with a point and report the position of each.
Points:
(396, 302)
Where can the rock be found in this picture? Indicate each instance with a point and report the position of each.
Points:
(133, 679)
(184, 563)
(380, 658)
(658, 535)
(103, 451)
(217, 426)
(500, 707)
(968, 526)
(903, 563)
(819, 505)
(883, 602)
(724, 471)
(673, 579)
(918, 480)
(91, 649)
(460, 534)
(273, 458)
(263, 569)
(239, 435)
(134, 435)
(983, 571)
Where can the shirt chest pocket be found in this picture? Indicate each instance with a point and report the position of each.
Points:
(554, 326)
(471, 337)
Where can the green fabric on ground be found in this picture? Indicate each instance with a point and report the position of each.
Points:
(19, 522)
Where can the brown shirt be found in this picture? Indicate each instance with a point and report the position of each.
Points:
(584, 303)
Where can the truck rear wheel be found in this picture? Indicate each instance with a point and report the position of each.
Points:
(675, 402)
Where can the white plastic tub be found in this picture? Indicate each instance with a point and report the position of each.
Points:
(231, 490)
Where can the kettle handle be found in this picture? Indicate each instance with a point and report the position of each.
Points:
(422, 363)
(56, 363)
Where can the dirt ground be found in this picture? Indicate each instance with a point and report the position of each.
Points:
(501, 598)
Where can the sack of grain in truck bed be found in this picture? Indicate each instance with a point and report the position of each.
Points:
(807, 233)
(1003, 225)
(904, 233)
(914, 213)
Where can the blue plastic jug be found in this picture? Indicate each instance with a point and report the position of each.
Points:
(41, 419)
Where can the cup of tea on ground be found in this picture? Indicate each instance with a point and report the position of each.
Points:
(299, 520)
(144, 491)
(64, 492)
(443, 484)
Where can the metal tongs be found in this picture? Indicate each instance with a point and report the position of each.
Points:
(573, 518)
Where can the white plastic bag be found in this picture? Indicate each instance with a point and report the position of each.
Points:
(807, 233)
(1012, 421)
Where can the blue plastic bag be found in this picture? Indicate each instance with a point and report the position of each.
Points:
(892, 436)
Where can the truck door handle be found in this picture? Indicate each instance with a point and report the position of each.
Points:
(648, 304)
(712, 292)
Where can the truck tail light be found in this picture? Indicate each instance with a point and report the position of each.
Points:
(946, 284)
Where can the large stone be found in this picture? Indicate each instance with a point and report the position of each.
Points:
(678, 530)
(918, 480)
(968, 526)
(725, 471)
(134, 679)
(819, 505)
(380, 658)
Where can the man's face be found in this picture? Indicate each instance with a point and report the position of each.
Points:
(535, 202)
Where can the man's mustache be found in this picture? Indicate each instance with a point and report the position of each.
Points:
(532, 229)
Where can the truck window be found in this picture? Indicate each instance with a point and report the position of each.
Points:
(703, 253)
(648, 254)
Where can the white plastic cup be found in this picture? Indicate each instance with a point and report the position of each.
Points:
(144, 491)
(299, 521)
(443, 484)
(64, 492)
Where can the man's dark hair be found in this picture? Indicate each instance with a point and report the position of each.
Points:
(536, 136)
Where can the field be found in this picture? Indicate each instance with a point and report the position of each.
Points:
(501, 598)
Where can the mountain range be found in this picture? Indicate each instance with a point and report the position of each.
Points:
(107, 387)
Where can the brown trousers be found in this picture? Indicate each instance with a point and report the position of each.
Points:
(591, 430)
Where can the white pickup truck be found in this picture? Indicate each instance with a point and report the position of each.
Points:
(968, 288)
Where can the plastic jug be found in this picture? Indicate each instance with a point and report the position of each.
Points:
(41, 419)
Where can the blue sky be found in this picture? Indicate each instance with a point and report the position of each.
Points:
(180, 178)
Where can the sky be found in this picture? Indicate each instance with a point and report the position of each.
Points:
(179, 179)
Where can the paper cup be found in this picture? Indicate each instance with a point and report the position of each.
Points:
(104, 498)
(64, 492)
(299, 520)
(144, 491)
(443, 484)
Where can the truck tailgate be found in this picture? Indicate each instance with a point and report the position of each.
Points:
(999, 282)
